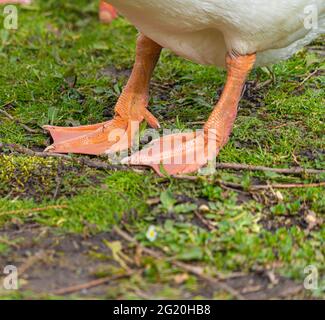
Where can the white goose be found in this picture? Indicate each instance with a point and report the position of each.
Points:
(236, 34)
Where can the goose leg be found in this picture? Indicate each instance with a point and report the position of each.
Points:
(188, 152)
(131, 109)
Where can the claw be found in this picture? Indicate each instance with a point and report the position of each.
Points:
(49, 149)
(107, 13)
(151, 119)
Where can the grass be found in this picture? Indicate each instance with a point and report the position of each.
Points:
(62, 67)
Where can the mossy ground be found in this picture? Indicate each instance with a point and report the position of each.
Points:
(62, 67)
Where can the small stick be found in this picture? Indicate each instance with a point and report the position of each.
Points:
(90, 284)
(307, 78)
(247, 167)
(83, 161)
(9, 243)
(257, 187)
(105, 166)
(197, 271)
(32, 210)
(205, 222)
(288, 186)
(263, 84)
(196, 123)
(30, 261)
(10, 117)
(58, 180)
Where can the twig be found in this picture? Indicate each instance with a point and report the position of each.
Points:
(58, 180)
(57, 188)
(247, 167)
(194, 123)
(229, 166)
(197, 271)
(90, 284)
(10, 117)
(279, 126)
(288, 186)
(9, 243)
(263, 84)
(32, 210)
(82, 161)
(105, 166)
(256, 187)
(30, 261)
(205, 222)
(26, 151)
(307, 78)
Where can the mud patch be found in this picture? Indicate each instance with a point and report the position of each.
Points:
(113, 72)
(313, 154)
(49, 261)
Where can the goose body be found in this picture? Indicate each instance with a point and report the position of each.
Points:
(203, 31)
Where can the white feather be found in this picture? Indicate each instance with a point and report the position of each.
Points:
(204, 31)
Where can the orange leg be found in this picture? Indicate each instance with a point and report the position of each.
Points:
(131, 109)
(107, 13)
(188, 152)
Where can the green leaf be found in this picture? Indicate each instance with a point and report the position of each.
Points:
(312, 58)
(167, 200)
(185, 208)
(52, 114)
(191, 254)
(163, 170)
(279, 209)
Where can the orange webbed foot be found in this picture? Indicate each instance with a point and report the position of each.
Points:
(175, 154)
(92, 140)
(108, 137)
(61, 134)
